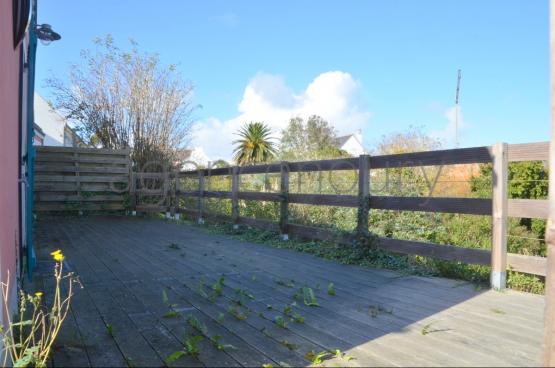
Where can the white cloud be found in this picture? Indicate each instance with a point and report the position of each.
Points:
(334, 95)
(448, 134)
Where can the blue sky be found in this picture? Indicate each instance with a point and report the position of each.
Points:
(379, 66)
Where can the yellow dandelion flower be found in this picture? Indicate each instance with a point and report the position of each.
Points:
(38, 294)
(56, 252)
(58, 257)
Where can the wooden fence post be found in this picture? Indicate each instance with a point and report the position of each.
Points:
(132, 186)
(499, 204)
(201, 197)
(284, 201)
(235, 196)
(549, 311)
(167, 193)
(176, 197)
(78, 182)
(363, 194)
(133, 192)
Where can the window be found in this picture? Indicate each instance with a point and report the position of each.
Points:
(21, 10)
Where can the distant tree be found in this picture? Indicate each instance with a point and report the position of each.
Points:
(527, 180)
(412, 140)
(310, 140)
(120, 99)
(255, 144)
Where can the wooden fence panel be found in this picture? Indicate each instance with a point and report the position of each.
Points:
(81, 179)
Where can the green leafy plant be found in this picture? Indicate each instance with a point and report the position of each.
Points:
(289, 345)
(220, 318)
(197, 325)
(341, 355)
(289, 284)
(287, 310)
(236, 312)
(280, 322)
(309, 298)
(318, 358)
(190, 347)
(110, 329)
(171, 314)
(297, 318)
(265, 332)
(217, 286)
(216, 341)
(331, 289)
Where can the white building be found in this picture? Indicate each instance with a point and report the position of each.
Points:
(194, 158)
(53, 128)
(351, 143)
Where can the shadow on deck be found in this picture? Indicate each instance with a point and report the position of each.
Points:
(377, 317)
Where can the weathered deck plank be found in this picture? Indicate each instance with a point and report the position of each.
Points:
(125, 263)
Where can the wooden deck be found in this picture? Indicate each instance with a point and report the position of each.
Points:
(378, 317)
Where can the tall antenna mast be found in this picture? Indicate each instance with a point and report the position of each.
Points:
(457, 109)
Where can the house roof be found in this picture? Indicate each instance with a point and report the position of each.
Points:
(343, 139)
(38, 129)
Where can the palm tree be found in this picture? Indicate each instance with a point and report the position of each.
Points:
(255, 144)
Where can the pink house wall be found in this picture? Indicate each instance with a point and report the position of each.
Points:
(9, 140)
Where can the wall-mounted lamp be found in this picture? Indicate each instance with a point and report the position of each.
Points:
(46, 35)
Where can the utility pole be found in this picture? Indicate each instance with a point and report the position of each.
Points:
(457, 108)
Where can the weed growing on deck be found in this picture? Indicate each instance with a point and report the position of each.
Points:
(174, 246)
(236, 312)
(217, 287)
(190, 347)
(376, 310)
(427, 329)
(110, 329)
(197, 325)
(29, 341)
(289, 284)
(309, 298)
(218, 345)
(331, 289)
(289, 345)
(297, 318)
(287, 310)
(376, 258)
(220, 318)
(318, 358)
(129, 361)
(172, 313)
(280, 322)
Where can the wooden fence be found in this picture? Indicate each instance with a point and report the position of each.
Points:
(98, 179)
(499, 206)
(81, 179)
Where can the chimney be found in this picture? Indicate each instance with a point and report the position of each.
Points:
(358, 135)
